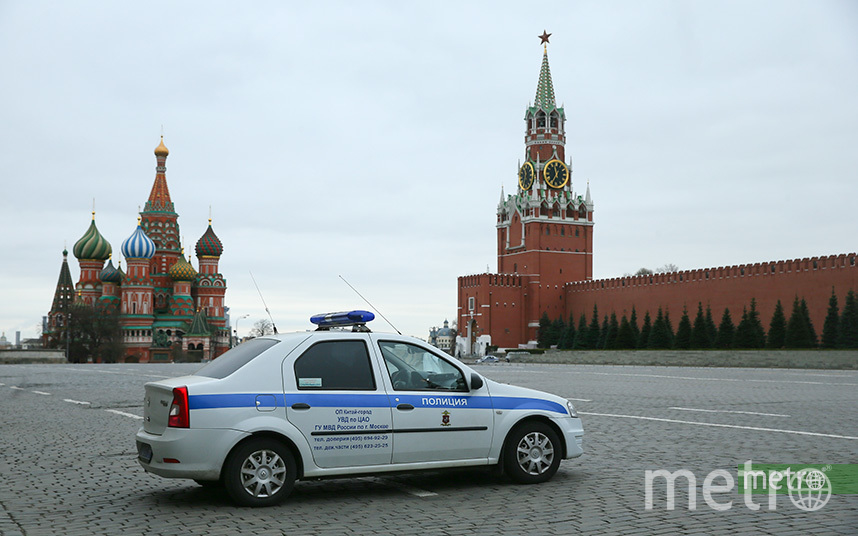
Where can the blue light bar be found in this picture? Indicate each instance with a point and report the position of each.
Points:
(346, 318)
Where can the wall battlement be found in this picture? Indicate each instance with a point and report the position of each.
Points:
(774, 268)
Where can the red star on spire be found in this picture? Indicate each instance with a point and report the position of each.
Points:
(545, 35)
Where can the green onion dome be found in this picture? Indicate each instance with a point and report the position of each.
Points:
(92, 246)
(110, 274)
(182, 270)
(209, 244)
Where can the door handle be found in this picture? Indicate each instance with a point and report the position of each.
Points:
(405, 406)
(300, 405)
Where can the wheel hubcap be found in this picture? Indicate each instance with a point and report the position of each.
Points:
(263, 473)
(535, 453)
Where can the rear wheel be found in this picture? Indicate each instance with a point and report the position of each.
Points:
(260, 472)
(532, 453)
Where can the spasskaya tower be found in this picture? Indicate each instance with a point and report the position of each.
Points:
(544, 235)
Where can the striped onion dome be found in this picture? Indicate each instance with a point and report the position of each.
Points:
(138, 245)
(209, 245)
(110, 274)
(182, 270)
(92, 246)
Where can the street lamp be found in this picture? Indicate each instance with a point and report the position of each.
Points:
(236, 327)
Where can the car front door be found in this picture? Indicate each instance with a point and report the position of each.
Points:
(335, 396)
(435, 416)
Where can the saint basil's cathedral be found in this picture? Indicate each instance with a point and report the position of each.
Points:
(162, 301)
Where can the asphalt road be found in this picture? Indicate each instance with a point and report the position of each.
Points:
(68, 460)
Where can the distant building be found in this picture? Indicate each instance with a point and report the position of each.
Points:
(163, 302)
(443, 338)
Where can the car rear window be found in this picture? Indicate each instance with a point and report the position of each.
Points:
(236, 358)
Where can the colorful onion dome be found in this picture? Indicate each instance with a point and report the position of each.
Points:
(92, 246)
(182, 270)
(161, 149)
(138, 245)
(110, 274)
(209, 244)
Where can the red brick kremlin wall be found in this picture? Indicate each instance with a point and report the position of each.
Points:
(725, 287)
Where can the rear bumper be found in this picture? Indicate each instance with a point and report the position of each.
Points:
(190, 453)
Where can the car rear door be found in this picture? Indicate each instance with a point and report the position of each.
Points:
(335, 396)
(435, 416)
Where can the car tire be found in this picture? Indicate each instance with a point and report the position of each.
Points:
(532, 453)
(260, 472)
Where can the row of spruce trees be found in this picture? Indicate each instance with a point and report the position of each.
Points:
(839, 331)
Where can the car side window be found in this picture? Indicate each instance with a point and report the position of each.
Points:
(412, 368)
(332, 365)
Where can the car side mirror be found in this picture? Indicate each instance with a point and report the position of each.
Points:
(476, 381)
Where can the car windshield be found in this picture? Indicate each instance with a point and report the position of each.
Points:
(236, 358)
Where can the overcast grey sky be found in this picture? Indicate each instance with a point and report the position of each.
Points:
(371, 139)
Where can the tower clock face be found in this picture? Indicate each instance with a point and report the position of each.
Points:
(556, 174)
(525, 176)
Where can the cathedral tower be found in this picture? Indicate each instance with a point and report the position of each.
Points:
(160, 222)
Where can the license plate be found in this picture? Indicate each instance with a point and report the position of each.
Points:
(144, 452)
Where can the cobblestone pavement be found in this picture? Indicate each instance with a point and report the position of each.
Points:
(68, 460)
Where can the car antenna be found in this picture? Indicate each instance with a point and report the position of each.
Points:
(371, 305)
(263, 302)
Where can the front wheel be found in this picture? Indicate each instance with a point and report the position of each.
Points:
(532, 453)
(260, 472)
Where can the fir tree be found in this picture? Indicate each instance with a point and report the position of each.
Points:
(847, 336)
(544, 336)
(726, 331)
(669, 326)
(683, 331)
(711, 329)
(660, 335)
(626, 339)
(611, 337)
(741, 339)
(557, 329)
(750, 333)
(603, 334)
(832, 322)
(646, 329)
(699, 336)
(567, 338)
(581, 335)
(805, 313)
(633, 322)
(798, 331)
(594, 332)
(777, 328)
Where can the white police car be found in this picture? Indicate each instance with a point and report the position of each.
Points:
(337, 402)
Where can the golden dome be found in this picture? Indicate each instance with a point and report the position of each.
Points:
(161, 149)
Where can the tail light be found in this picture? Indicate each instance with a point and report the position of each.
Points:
(180, 415)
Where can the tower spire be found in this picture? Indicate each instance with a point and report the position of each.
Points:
(545, 88)
(159, 198)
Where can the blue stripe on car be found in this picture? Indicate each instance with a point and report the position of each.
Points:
(430, 400)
